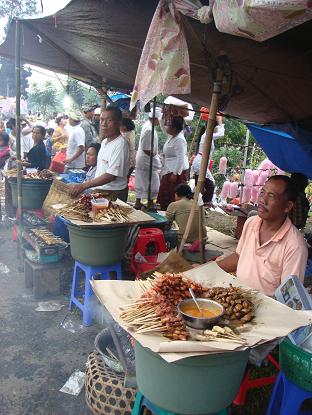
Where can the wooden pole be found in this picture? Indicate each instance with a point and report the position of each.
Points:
(206, 152)
(194, 137)
(149, 192)
(242, 176)
(202, 239)
(18, 125)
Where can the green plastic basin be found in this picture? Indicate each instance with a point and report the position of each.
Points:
(33, 192)
(97, 246)
(196, 385)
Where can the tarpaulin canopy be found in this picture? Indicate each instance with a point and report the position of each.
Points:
(101, 43)
(283, 150)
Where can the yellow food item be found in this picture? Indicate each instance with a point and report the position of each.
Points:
(204, 312)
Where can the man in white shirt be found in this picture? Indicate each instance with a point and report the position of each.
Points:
(27, 141)
(143, 162)
(75, 154)
(113, 160)
(91, 135)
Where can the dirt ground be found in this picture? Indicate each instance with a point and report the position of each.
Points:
(37, 355)
(222, 223)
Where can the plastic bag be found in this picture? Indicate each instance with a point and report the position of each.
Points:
(57, 162)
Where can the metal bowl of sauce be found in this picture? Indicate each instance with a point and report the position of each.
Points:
(210, 312)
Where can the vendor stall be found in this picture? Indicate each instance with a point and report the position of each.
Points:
(170, 353)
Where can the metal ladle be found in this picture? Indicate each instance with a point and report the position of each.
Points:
(194, 299)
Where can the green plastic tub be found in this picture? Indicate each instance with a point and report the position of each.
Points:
(97, 246)
(33, 192)
(199, 385)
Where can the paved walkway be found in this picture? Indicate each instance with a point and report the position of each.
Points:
(37, 355)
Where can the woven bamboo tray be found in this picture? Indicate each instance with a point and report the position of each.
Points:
(105, 393)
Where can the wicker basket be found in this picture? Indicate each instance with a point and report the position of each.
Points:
(58, 194)
(105, 393)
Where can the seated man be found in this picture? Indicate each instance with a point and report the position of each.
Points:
(270, 248)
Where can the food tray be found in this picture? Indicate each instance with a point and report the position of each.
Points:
(41, 248)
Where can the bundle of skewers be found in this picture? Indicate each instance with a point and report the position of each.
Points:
(156, 310)
(80, 208)
(218, 333)
(114, 214)
(47, 237)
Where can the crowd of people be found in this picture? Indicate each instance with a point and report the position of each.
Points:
(103, 143)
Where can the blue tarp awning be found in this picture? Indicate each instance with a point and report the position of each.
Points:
(285, 151)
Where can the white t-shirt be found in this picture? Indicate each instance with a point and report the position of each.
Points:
(175, 155)
(76, 138)
(142, 159)
(113, 158)
(27, 143)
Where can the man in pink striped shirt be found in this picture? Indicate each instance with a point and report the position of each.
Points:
(270, 248)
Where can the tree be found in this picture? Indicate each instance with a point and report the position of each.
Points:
(20, 8)
(7, 78)
(80, 93)
(43, 98)
(11, 9)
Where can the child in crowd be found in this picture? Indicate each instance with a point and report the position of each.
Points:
(4, 149)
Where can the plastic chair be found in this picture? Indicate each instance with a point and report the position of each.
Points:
(90, 271)
(141, 402)
(150, 238)
(150, 242)
(287, 398)
(249, 383)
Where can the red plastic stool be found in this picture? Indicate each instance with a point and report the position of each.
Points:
(249, 383)
(149, 242)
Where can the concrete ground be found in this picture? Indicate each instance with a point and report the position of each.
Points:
(37, 355)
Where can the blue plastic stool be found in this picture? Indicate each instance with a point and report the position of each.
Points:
(287, 398)
(141, 402)
(90, 271)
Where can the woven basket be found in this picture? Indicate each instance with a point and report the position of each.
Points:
(105, 393)
(58, 194)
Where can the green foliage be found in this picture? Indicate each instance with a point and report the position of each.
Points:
(7, 78)
(43, 97)
(234, 131)
(80, 93)
(48, 97)
(9, 10)
(18, 8)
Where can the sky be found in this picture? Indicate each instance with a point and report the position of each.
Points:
(49, 7)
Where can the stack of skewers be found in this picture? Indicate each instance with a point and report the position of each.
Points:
(156, 310)
(80, 209)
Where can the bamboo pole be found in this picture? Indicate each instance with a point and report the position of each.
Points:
(244, 166)
(150, 172)
(202, 239)
(18, 130)
(194, 137)
(206, 152)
